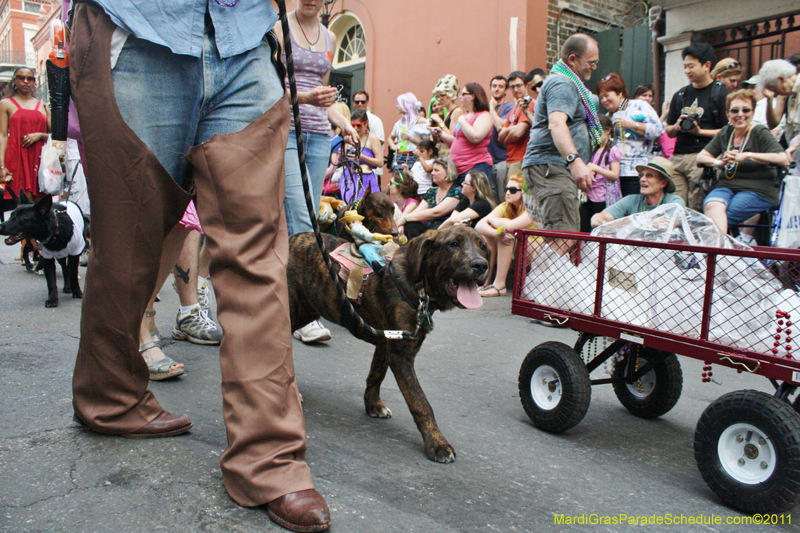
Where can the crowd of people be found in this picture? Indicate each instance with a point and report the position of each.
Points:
(536, 151)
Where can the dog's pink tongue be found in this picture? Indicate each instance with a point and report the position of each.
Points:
(468, 295)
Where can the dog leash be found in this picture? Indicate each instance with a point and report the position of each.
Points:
(349, 316)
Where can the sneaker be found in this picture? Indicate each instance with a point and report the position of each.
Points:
(204, 296)
(312, 332)
(84, 258)
(197, 328)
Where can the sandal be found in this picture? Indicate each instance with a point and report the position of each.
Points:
(491, 291)
(161, 369)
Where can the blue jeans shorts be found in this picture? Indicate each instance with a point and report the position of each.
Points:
(740, 205)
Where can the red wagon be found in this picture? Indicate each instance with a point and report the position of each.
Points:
(647, 302)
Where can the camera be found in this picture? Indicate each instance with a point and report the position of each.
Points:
(527, 100)
(688, 123)
(351, 152)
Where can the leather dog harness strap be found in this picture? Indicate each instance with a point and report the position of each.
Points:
(424, 317)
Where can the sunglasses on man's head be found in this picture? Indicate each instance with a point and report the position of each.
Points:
(25, 78)
(513, 190)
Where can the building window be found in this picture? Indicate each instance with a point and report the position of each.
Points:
(353, 46)
(31, 7)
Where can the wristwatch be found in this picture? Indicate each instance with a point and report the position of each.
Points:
(571, 158)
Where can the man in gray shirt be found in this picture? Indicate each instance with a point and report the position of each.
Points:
(562, 135)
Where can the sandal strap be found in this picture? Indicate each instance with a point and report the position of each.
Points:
(144, 347)
(161, 366)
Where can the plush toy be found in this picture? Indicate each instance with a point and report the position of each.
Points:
(366, 241)
(328, 206)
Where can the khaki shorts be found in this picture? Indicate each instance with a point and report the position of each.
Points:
(685, 177)
(513, 169)
(554, 189)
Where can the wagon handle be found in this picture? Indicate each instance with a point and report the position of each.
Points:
(556, 320)
(758, 363)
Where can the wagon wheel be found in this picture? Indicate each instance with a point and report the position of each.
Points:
(747, 447)
(554, 387)
(657, 391)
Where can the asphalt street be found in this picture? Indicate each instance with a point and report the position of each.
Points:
(508, 475)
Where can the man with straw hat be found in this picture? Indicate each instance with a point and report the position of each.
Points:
(655, 188)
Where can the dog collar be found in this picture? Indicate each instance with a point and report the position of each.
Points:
(55, 231)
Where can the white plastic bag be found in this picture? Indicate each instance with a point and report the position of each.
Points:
(51, 175)
(789, 231)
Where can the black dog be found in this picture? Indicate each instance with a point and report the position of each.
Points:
(59, 230)
(445, 267)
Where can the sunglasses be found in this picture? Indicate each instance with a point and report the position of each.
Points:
(465, 93)
(359, 102)
(538, 85)
(513, 190)
(736, 111)
(735, 64)
(359, 124)
(25, 78)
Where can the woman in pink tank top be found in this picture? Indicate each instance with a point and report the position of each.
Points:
(469, 143)
(24, 125)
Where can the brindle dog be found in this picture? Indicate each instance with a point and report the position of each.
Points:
(378, 212)
(448, 264)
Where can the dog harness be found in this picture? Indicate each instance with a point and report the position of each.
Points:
(76, 244)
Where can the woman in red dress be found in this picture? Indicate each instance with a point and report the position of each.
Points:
(24, 127)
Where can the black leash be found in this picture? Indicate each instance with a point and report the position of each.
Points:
(349, 316)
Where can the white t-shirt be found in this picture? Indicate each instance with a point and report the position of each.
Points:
(376, 127)
(423, 179)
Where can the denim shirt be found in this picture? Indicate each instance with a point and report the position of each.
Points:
(179, 24)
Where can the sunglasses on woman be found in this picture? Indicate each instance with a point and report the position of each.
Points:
(735, 64)
(25, 78)
(513, 190)
(736, 110)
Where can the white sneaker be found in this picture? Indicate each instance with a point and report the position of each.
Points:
(312, 332)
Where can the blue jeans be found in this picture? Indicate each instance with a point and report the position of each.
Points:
(740, 205)
(190, 99)
(486, 168)
(317, 148)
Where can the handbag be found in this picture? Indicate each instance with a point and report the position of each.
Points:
(789, 224)
(51, 174)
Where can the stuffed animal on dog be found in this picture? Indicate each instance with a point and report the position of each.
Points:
(328, 206)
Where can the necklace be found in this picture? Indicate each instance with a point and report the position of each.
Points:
(730, 170)
(592, 122)
(310, 44)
